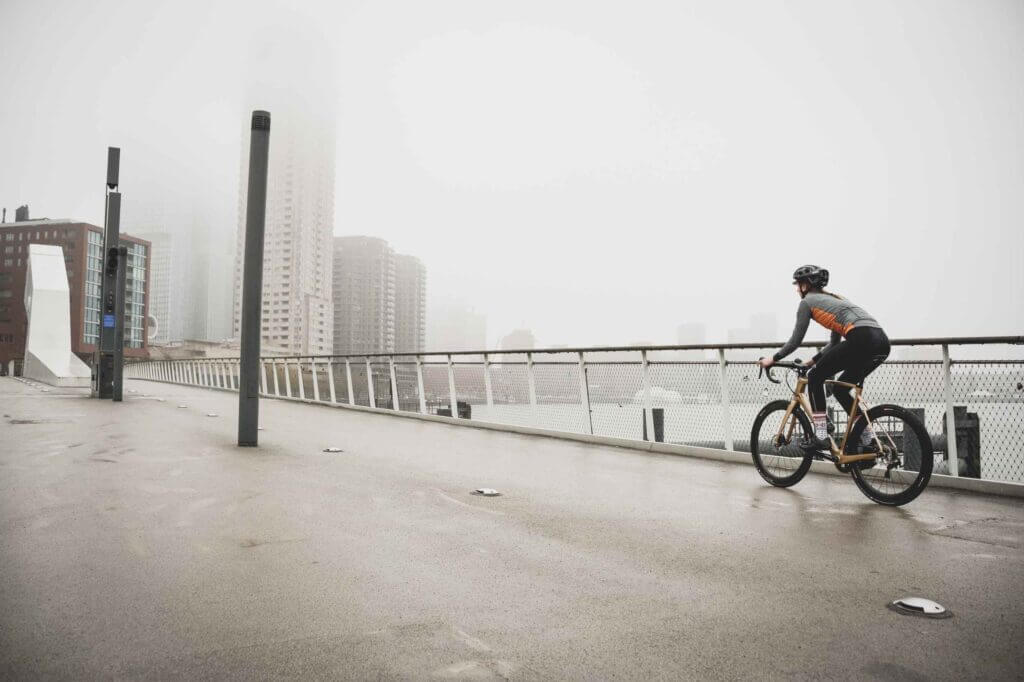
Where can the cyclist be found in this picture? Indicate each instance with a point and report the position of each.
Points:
(865, 347)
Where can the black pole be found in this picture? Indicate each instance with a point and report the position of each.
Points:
(117, 376)
(252, 282)
(103, 360)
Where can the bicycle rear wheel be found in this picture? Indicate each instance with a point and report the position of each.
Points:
(903, 466)
(780, 459)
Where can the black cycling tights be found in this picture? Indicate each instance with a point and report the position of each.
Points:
(864, 349)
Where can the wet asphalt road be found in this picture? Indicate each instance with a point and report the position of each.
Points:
(137, 542)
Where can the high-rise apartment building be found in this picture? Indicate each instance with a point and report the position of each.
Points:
(297, 310)
(364, 295)
(410, 304)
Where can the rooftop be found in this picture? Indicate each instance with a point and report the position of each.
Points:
(138, 541)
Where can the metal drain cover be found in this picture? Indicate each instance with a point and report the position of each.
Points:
(486, 492)
(333, 450)
(212, 414)
(919, 606)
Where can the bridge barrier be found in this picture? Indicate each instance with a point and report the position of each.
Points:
(969, 390)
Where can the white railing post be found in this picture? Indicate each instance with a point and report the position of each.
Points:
(585, 393)
(952, 459)
(348, 379)
(298, 377)
(330, 381)
(419, 384)
(369, 383)
(277, 383)
(287, 379)
(532, 383)
(394, 385)
(451, 388)
(316, 381)
(726, 411)
(488, 388)
(648, 412)
(263, 376)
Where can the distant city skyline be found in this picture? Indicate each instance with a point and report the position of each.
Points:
(589, 176)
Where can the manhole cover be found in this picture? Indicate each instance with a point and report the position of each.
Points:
(333, 450)
(486, 492)
(918, 606)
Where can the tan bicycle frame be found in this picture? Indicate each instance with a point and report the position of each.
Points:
(801, 398)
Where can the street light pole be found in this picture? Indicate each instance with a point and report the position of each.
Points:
(252, 282)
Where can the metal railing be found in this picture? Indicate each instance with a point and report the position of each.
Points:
(704, 395)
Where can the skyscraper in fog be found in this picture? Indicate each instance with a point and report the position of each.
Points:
(518, 339)
(455, 326)
(691, 334)
(410, 304)
(297, 311)
(364, 295)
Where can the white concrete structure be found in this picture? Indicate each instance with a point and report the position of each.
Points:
(48, 356)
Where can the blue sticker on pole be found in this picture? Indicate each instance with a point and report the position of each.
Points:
(108, 321)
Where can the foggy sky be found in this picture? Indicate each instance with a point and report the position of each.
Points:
(598, 172)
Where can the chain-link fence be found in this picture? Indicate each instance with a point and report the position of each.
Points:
(969, 392)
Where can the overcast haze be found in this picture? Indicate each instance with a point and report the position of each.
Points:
(597, 172)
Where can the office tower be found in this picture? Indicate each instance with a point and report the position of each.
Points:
(454, 326)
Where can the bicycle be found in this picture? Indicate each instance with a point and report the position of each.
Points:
(893, 469)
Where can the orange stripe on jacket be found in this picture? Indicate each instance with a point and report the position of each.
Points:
(828, 321)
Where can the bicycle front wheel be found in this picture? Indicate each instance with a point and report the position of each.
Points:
(776, 446)
(903, 463)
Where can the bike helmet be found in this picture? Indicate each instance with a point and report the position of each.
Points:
(812, 274)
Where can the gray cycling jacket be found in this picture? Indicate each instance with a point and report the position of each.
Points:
(833, 313)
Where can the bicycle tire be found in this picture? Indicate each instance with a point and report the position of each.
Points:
(911, 441)
(761, 446)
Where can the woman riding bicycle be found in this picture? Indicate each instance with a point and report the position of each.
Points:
(865, 347)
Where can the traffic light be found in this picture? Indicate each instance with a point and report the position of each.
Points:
(112, 262)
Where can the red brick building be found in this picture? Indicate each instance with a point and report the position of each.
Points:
(83, 256)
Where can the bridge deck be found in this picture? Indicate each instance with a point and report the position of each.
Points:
(137, 541)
